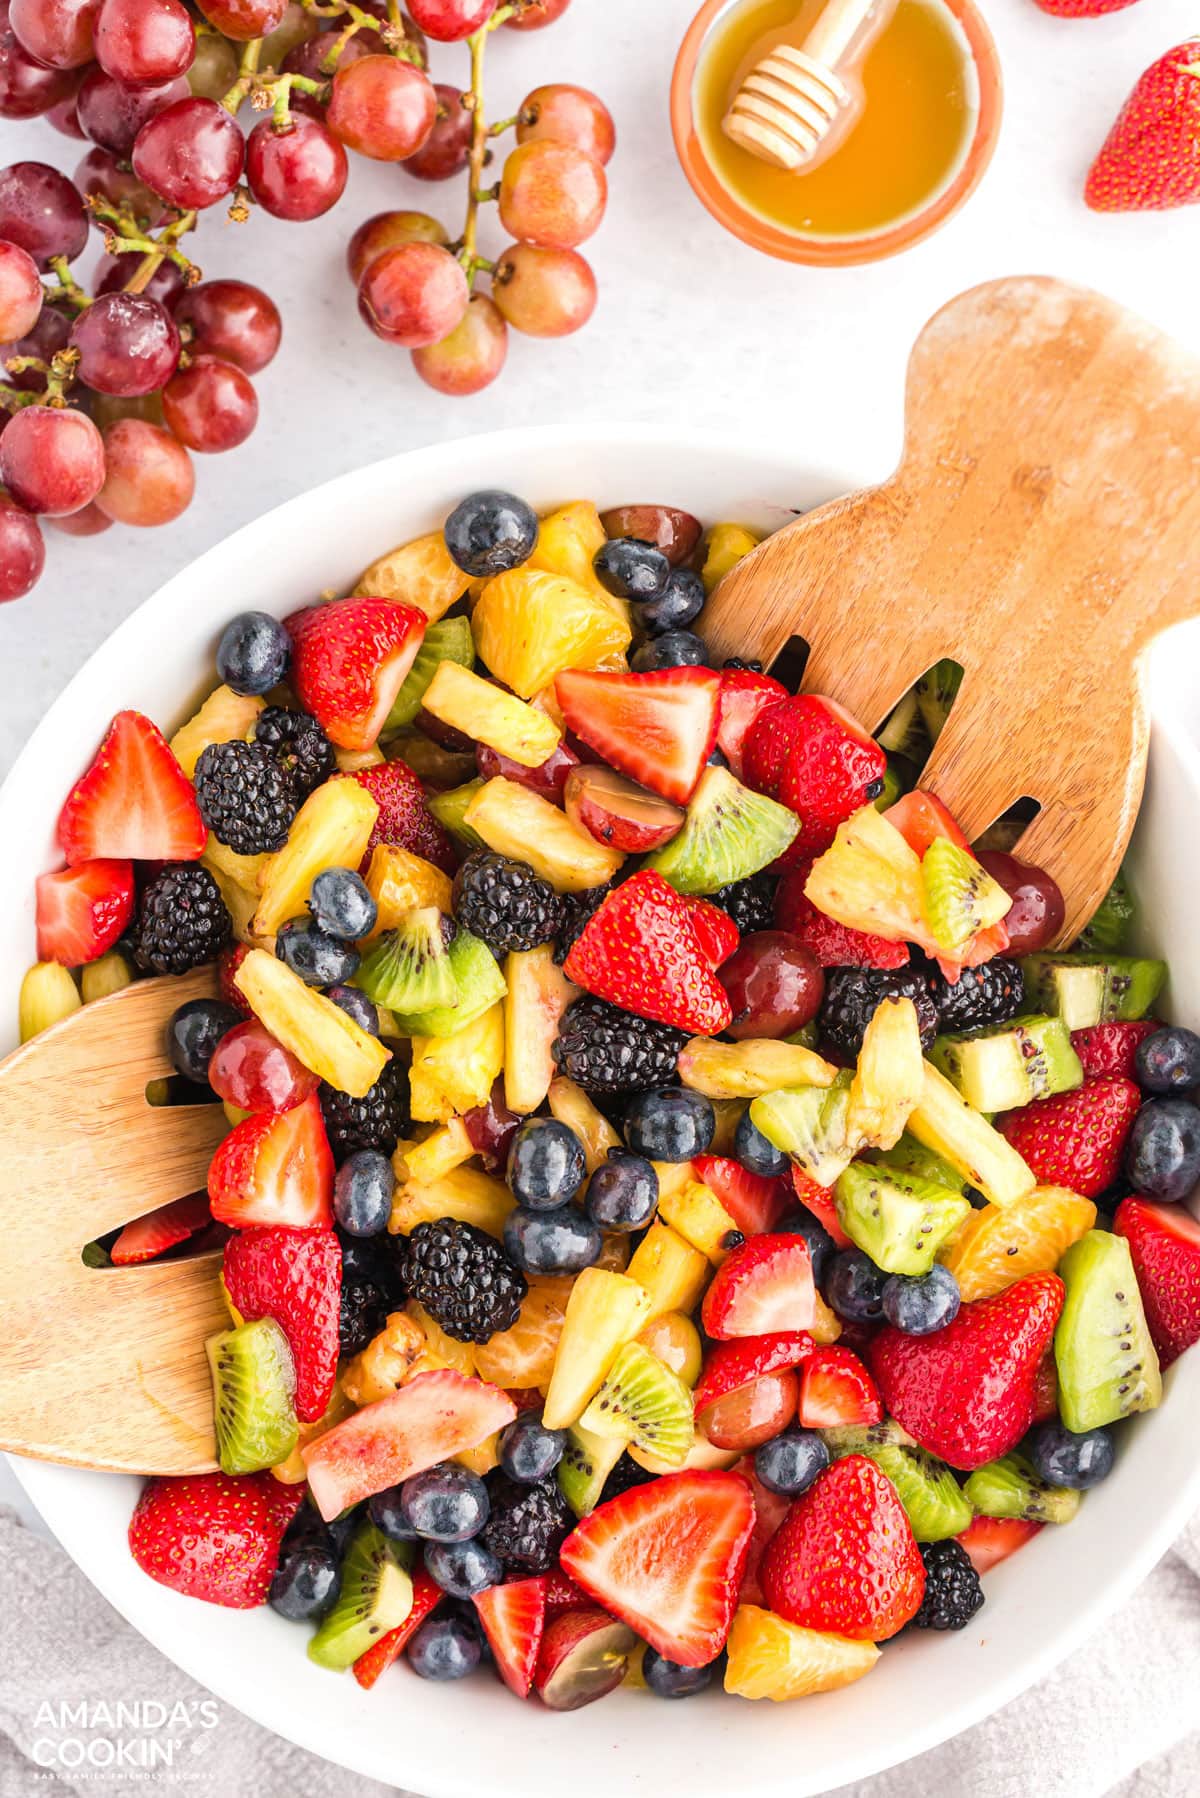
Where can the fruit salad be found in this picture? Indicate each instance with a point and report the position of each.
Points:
(684, 1217)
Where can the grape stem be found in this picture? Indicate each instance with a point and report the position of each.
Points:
(247, 72)
(473, 263)
(66, 287)
(13, 398)
(273, 95)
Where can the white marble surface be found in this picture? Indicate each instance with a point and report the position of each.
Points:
(691, 325)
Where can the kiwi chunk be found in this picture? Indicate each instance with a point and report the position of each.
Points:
(1085, 989)
(1009, 1065)
(586, 1463)
(936, 692)
(376, 1596)
(642, 1402)
(1013, 1487)
(961, 898)
(254, 1382)
(450, 809)
(1107, 1365)
(904, 732)
(1110, 923)
(898, 1219)
(448, 640)
(809, 1124)
(478, 984)
(912, 1157)
(409, 968)
(729, 833)
(936, 1504)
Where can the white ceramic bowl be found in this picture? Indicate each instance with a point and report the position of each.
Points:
(457, 1741)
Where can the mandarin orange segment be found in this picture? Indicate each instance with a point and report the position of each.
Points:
(769, 1658)
(999, 1245)
(523, 1357)
(421, 573)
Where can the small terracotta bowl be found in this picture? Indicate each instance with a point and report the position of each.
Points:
(794, 246)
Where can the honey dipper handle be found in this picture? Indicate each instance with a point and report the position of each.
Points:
(836, 29)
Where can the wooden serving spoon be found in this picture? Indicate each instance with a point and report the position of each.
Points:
(1043, 527)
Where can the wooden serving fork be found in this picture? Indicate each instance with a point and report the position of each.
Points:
(1042, 528)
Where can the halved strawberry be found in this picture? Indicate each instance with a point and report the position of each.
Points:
(228, 963)
(349, 660)
(135, 803)
(731, 1365)
(513, 1618)
(275, 1168)
(1107, 1051)
(744, 694)
(989, 1540)
(667, 1559)
(152, 1235)
(820, 1201)
(639, 950)
(811, 755)
(81, 911)
(562, 1594)
(836, 1391)
(405, 820)
(658, 727)
(920, 817)
(211, 1536)
(427, 1595)
(765, 1285)
(755, 1203)
(834, 945)
(1164, 1245)
(294, 1276)
(716, 931)
(1075, 1139)
(770, 1509)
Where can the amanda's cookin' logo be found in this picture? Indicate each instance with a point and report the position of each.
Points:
(94, 1739)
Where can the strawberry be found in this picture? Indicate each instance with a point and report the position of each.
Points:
(716, 932)
(81, 911)
(349, 660)
(1045, 1390)
(405, 820)
(1075, 1139)
(658, 727)
(765, 1285)
(667, 1559)
(562, 1594)
(211, 1536)
(427, 1595)
(989, 1540)
(294, 1276)
(814, 758)
(819, 1200)
(755, 1203)
(968, 1393)
(1150, 159)
(837, 1392)
(731, 1365)
(275, 1168)
(1082, 9)
(228, 963)
(1164, 1244)
(770, 1509)
(834, 945)
(845, 1559)
(639, 950)
(150, 1236)
(513, 1618)
(744, 694)
(1107, 1050)
(135, 803)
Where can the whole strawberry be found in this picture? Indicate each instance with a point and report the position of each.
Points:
(294, 1276)
(814, 758)
(1150, 160)
(1075, 1139)
(404, 820)
(640, 950)
(211, 1536)
(1164, 1246)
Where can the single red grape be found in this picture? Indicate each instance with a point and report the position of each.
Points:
(447, 148)
(307, 58)
(41, 212)
(491, 1127)
(387, 231)
(20, 292)
(1036, 915)
(232, 320)
(149, 478)
(471, 357)
(215, 68)
(105, 409)
(413, 295)
(243, 19)
(381, 107)
(252, 1070)
(449, 20)
(113, 273)
(547, 780)
(22, 551)
(128, 345)
(750, 1415)
(544, 293)
(100, 174)
(144, 40)
(537, 13)
(192, 154)
(65, 115)
(210, 405)
(296, 174)
(48, 335)
(112, 114)
(775, 985)
(89, 521)
(551, 194)
(563, 114)
(27, 87)
(295, 27)
(51, 459)
(56, 32)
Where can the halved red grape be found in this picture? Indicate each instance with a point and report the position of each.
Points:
(20, 292)
(41, 212)
(149, 478)
(448, 21)
(243, 19)
(296, 174)
(192, 153)
(382, 107)
(491, 1127)
(144, 40)
(387, 231)
(113, 274)
(128, 344)
(233, 320)
(551, 194)
(471, 357)
(543, 292)
(1036, 915)
(565, 114)
(51, 459)
(252, 1069)
(751, 1415)
(22, 551)
(548, 779)
(615, 810)
(27, 87)
(676, 533)
(112, 114)
(55, 32)
(775, 985)
(413, 295)
(448, 147)
(211, 405)
(100, 174)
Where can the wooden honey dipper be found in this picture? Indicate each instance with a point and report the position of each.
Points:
(790, 101)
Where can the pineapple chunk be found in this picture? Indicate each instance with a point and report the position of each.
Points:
(331, 830)
(567, 543)
(224, 717)
(440, 1351)
(888, 1081)
(750, 1068)
(702, 1457)
(110, 974)
(826, 1325)
(400, 882)
(450, 1074)
(728, 1114)
(571, 1106)
(439, 1154)
(529, 626)
(242, 905)
(316, 1030)
(538, 994)
(724, 548)
(945, 1123)
(604, 1312)
(695, 1211)
(48, 994)
(514, 821)
(349, 761)
(245, 871)
(292, 1471)
(672, 1176)
(483, 1457)
(870, 879)
(386, 1362)
(465, 1193)
(480, 709)
(671, 1270)
(421, 573)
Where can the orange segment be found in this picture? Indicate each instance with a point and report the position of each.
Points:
(769, 1658)
(999, 1245)
(421, 573)
(523, 1357)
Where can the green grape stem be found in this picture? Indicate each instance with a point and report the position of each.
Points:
(473, 263)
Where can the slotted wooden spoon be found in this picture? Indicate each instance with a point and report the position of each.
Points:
(1042, 528)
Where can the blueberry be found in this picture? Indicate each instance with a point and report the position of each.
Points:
(821, 1246)
(462, 1568)
(445, 1648)
(622, 1194)
(362, 1193)
(318, 959)
(790, 1462)
(669, 1123)
(855, 1287)
(1162, 1156)
(674, 649)
(447, 1503)
(551, 1242)
(341, 904)
(1069, 1459)
(921, 1304)
(386, 1511)
(490, 532)
(681, 600)
(308, 1576)
(546, 1164)
(756, 1154)
(354, 1002)
(529, 1451)
(669, 1679)
(253, 654)
(717, 760)
(1168, 1061)
(632, 569)
(194, 1032)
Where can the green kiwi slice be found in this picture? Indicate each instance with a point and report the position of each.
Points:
(1107, 1366)
(254, 1382)
(449, 640)
(478, 984)
(1013, 1487)
(936, 692)
(809, 1124)
(1009, 1065)
(450, 811)
(642, 1402)
(898, 1219)
(409, 968)
(586, 1463)
(904, 732)
(912, 1157)
(1085, 989)
(729, 833)
(376, 1595)
(961, 897)
(936, 1504)
(1109, 926)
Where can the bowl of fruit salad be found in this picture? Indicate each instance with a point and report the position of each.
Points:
(686, 1230)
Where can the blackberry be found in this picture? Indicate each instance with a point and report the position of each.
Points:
(623, 1478)
(463, 1278)
(182, 921)
(528, 1524)
(952, 1590)
(851, 995)
(607, 1050)
(376, 1121)
(299, 743)
(991, 994)
(750, 903)
(246, 797)
(505, 903)
(362, 1315)
(578, 910)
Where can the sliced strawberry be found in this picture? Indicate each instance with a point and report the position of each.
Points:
(820, 1201)
(562, 1594)
(834, 945)
(349, 660)
(81, 911)
(405, 820)
(513, 1618)
(1164, 1245)
(211, 1536)
(135, 803)
(764, 1286)
(228, 963)
(811, 755)
(294, 1276)
(716, 931)
(639, 950)
(990, 1540)
(1150, 159)
(755, 1203)
(837, 1392)
(744, 694)
(1075, 1139)
(427, 1595)
(1107, 1051)
(275, 1168)
(667, 1559)
(658, 727)
(770, 1509)
(731, 1365)
(152, 1235)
